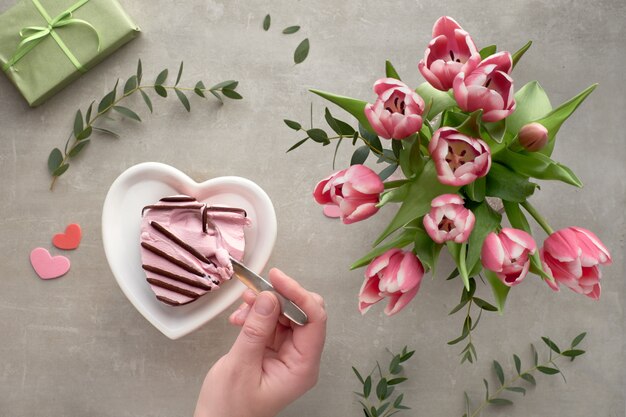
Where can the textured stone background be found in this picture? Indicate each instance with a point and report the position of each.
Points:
(76, 346)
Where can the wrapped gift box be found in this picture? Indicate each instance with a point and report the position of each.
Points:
(47, 44)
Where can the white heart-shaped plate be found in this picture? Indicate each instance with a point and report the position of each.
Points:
(146, 183)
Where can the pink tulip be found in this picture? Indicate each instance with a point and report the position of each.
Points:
(508, 254)
(488, 87)
(355, 191)
(450, 52)
(396, 274)
(449, 219)
(533, 136)
(572, 256)
(397, 113)
(459, 159)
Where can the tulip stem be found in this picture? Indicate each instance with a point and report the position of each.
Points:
(538, 217)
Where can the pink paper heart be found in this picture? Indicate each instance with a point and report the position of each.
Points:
(47, 266)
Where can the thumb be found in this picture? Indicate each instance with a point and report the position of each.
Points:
(257, 331)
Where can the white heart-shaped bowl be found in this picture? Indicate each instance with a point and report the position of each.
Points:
(146, 183)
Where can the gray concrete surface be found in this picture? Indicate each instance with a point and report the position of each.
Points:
(76, 346)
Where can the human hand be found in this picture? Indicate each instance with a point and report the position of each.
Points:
(273, 361)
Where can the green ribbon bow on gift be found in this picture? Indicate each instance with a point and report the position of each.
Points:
(33, 35)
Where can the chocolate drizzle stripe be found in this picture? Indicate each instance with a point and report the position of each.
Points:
(170, 207)
(172, 259)
(228, 209)
(179, 242)
(173, 288)
(178, 198)
(176, 277)
(169, 301)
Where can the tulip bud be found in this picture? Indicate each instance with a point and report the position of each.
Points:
(533, 136)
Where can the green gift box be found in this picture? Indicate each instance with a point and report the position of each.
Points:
(47, 44)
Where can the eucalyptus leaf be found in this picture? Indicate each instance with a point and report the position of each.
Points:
(232, 94)
(551, 344)
(499, 372)
(125, 111)
(84, 134)
(267, 21)
(500, 401)
(88, 114)
(297, 144)
(146, 99)
(301, 52)
(291, 29)
(484, 304)
(78, 147)
(228, 85)
(529, 378)
(160, 79)
(108, 100)
(367, 386)
(217, 96)
(183, 99)
(199, 89)
(360, 155)
(106, 131)
(60, 170)
(518, 364)
(318, 135)
(293, 125)
(578, 339)
(55, 159)
(131, 84)
(388, 171)
(396, 381)
(160, 90)
(139, 71)
(180, 73)
(547, 370)
(358, 375)
(78, 123)
(572, 353)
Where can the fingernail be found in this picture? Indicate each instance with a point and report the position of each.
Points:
(264, 304)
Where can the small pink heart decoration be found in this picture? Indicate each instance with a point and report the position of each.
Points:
(47, 266)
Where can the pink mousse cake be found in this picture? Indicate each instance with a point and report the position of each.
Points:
(186, 247)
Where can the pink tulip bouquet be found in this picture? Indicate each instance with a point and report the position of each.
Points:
(458, 152)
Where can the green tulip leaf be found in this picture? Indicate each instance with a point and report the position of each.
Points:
(553, 120)
(487, 220)
(532, 103)
(487, 51)
(402, 240)
(500, 291)
(441, 100)
(426, 250)
(508, 185)
(520, 52)
(421, 192)
(537, 165)
(390, 71)
(351, 105)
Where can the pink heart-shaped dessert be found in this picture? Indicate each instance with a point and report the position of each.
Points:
(143, 185)
(186, 247)
(47, 266)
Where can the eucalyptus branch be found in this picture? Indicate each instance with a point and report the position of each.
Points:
(548, 367)
(382, 404)
(58, 161)
(468, 299)
(371, 142)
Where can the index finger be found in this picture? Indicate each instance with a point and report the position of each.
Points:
(307, 339)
